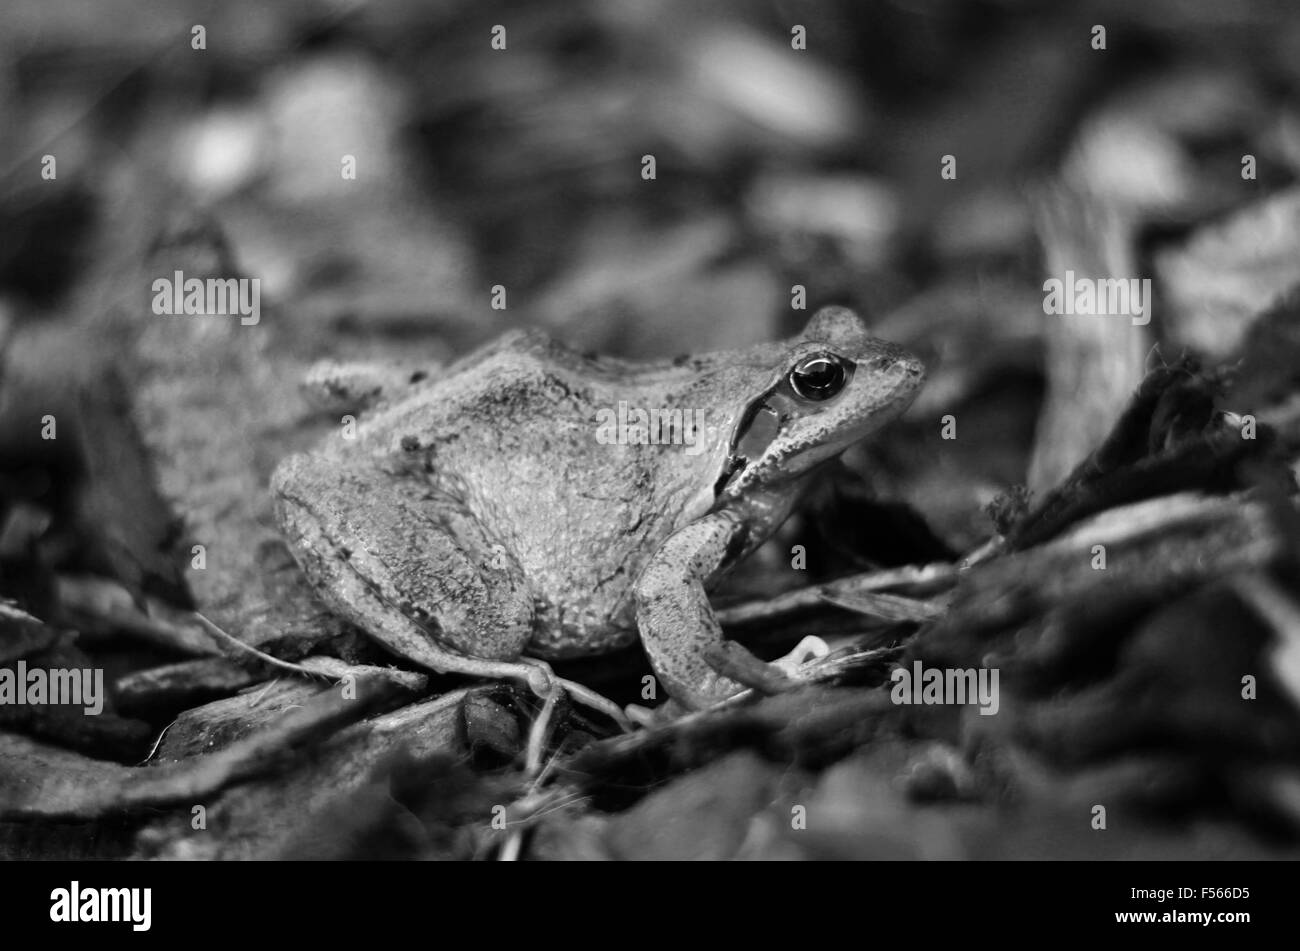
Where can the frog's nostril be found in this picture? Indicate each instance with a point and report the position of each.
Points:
(896, 363)
(906, 371)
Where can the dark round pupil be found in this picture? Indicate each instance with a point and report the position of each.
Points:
(818, 379)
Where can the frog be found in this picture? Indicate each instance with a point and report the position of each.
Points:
(530, 503)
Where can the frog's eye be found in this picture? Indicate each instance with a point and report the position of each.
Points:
(818, 378)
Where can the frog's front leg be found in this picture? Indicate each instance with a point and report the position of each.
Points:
(680, 634)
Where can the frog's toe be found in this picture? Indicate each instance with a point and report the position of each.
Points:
(643, 717)
(649, 718)
(809, 649)
(540, 678)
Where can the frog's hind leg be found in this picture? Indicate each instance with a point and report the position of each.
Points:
(416, 572)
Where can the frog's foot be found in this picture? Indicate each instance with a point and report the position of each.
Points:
(779, 676)
(644, 717)
(577, 692)
(735, 662)
(539, 679)
(807, 651)
(647, 718)
(589, 698)
(784, 673)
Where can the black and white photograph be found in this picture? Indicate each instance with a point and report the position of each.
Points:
(650, 430)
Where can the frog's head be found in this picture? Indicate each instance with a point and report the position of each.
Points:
(834, 384)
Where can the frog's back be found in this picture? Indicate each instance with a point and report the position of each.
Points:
(581, 512)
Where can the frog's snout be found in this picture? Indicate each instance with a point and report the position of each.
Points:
(895, 363)
(912, 369)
